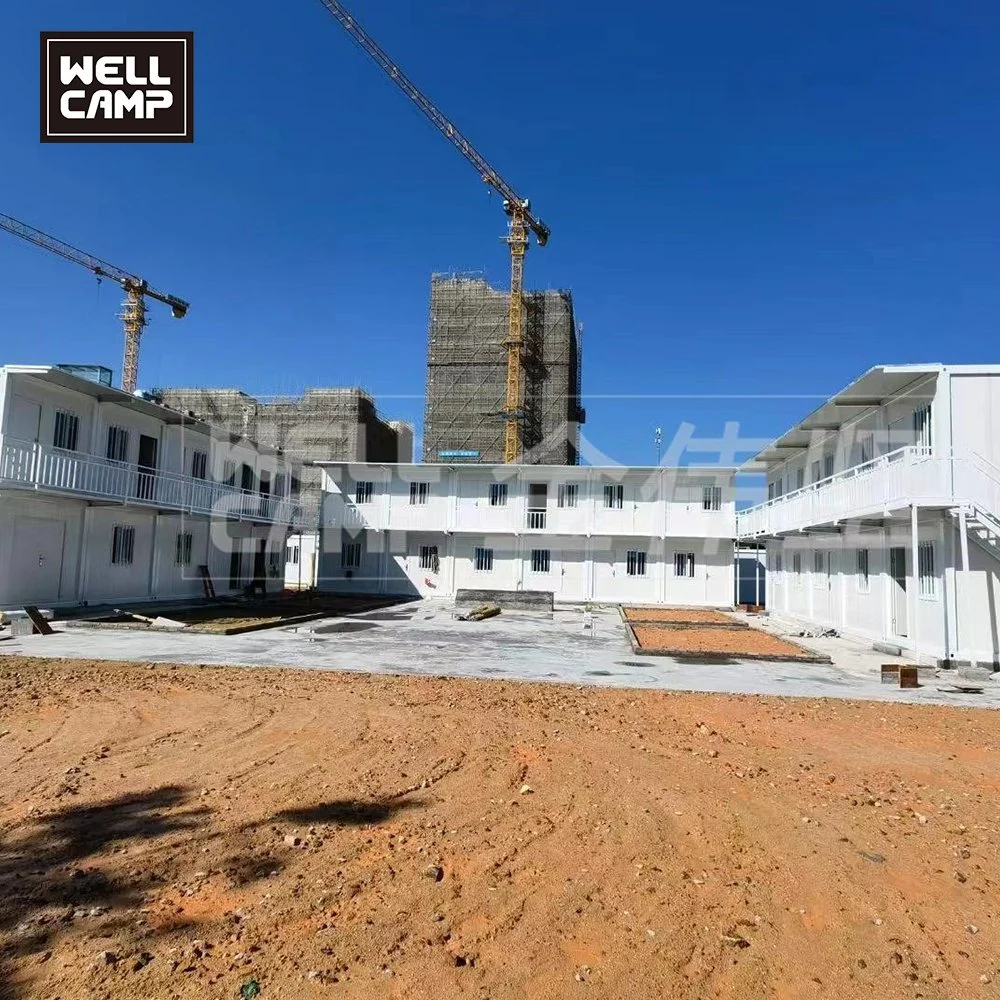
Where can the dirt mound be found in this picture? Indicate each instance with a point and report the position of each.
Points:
(194, 832)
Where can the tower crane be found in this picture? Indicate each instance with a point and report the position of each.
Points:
(521, 223)
(133, 314)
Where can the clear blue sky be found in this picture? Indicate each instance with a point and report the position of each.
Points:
(745, 198)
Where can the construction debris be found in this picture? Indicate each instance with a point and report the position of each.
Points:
(479, 613)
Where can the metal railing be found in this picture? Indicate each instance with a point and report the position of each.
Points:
(536, 520)
(54, 469)
(907, 475)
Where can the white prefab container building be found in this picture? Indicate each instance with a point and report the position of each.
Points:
(107, 497)
(645, 535)
(883, 512)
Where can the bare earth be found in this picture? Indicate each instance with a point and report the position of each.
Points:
(701, 615)
(185, 832)
(746, 641)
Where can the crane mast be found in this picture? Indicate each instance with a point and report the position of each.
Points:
(521, 222)
(137, 290)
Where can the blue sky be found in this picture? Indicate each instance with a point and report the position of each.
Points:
(747, 200)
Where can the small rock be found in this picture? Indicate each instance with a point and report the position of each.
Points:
(972, 929)
(526, 789)
(142, 961)
(985, 978)
(437, 918)
(961, 877)
(435, 872)
(107, 958)
(291, 840)
(713, 753)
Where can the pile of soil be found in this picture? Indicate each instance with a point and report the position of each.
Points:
(747, 642)
(197, 832)
(680, 615)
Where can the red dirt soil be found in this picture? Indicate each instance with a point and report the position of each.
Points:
(729, 642)
(477, 839)
(678, 615)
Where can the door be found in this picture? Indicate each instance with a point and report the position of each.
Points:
(37, 560)
(146, 481)
(260, 563)
(24, 419)
(897, 573)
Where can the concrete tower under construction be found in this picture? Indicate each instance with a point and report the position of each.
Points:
(467, 375)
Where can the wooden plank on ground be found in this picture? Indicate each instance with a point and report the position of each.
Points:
(40, 625)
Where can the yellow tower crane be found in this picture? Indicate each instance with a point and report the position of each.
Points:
(518, 209)
(133, 314)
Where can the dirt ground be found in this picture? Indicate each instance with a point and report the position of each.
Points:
(724, 641)
(194, 832)
(700, 615)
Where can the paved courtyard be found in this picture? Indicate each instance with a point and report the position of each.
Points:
(424, 637)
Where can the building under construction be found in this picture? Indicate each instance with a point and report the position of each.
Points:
(467, 375)
(322, 424)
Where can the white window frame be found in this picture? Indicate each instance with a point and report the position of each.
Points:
(614, 496)
(182, 548)
(428, 558)
(684, 565)
(541, 561)
(829, 461)
(862, 561)
(482, 559)
(498, 494)
(122, 544)
(229, 472)
(350, 555)
(66, 430)
(568, 495)
(116, 449)
(199, 464)
(816, 471)
(635, 562)
(711, 498)
(292, 555)
(927, 583)
(364, 490)
(419, 492)
(922, 428)
(800, 478)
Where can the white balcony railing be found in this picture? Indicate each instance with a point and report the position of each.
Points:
(536, 519)
(902, 477)
(38, 467)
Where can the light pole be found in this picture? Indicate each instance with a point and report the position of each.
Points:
(658, 437)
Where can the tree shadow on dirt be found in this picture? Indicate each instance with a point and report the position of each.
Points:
(348, 812)
(50, 874)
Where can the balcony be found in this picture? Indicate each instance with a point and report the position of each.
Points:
(536, 519)
(53, 470)
(910, 475)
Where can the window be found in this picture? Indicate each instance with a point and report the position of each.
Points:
(817, 562)
(429, 558)
(292, 555)
(199, 464)
(684, 564)
(770, 491)
(928, 580)
(819, 570)
(816, 471)
(800, 478)
(864, 581)
(614, 496)
(867, 448)
(828, 466)
(484, 560)
(635, 562)
(419, 493)
(350, 555)
(280, 484)
(567, 495)
(540, 560)
(182, 550)
(66, 430)
(117, 449)
(711, 498)
(922, 427)
(274, 567)
(777, 562)
(363, 492)
(797, 568)
(498, 494)
(229, 472)
(122, 545)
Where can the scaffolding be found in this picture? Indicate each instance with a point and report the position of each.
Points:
(467, 374)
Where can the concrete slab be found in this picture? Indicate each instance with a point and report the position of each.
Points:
(424, 638)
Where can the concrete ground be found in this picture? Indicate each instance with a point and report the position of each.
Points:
(423, 637)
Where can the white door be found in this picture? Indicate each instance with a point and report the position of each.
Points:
(24, 419)
(37, 559)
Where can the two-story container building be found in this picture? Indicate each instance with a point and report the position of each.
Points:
(882, 517)
(650, 535)
(107, 497)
